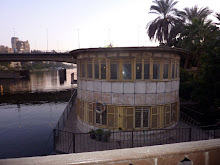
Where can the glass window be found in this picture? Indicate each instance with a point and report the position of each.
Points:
(141, 117)
(177, 71)
(145, 116)
(114, 69)
(146, 69)
(83, 70)
(137, 117)
(126, 70)
(138, 69)
(165, 70)
(96, 66)
(173, 69)
(156, 70)
(89, 69)
(103, 69)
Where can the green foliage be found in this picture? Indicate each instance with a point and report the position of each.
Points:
(207, 91)
(186, 85)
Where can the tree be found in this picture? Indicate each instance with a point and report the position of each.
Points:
(191, 13)
(218, 17)
(161, 26)
(191, 31)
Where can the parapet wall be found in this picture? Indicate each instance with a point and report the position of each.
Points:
(204, 152)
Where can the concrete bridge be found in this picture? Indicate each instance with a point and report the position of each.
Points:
(48, 56)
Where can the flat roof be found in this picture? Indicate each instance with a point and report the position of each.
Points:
(116, 49)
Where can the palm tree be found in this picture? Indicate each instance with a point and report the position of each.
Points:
(161, 26)
(195, 12)
(218, 17)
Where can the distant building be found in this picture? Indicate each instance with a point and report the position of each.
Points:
(13, 44)
(20, 46)
(5, 49)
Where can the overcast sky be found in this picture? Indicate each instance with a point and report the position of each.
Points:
(73, 24)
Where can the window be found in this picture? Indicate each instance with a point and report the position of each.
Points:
(173, 69)
(155, 120)
(83, 70)
(113, 116)
(90, 113)
(96, 66)
(126, 70)
(127, 117)
(89, 69)
(114, 69)
(101, 118)
(167, 115)
(177, 70)
(146, 69)
(141, 117)
(139, 69)
(156, 70)
(165, 69)
(103, 69)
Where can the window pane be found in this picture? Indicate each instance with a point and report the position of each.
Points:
(89, 69)
(173, 69)
(177, 70)
(83, 70)
(146, 69)
(113, 71)
(103, 70)
(96, 65)
(165, 71)
(137, 117)
(156, 70)
(145, 116)
(126, 71)
(138, 69)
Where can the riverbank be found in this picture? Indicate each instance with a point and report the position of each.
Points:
(36, 97)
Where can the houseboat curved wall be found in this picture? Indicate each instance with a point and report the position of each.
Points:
(128, 88)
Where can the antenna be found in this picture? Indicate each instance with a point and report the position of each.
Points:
(14, 31)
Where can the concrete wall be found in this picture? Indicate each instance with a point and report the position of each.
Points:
(206, 152)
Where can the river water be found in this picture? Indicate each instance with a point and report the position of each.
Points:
(25, 128)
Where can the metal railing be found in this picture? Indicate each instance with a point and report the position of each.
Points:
(69, 142)
(189, 120)
(61, 123)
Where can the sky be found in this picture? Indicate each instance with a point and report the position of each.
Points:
(64, 25)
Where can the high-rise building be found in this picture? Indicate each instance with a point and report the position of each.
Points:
(13, 44)
(20, 46)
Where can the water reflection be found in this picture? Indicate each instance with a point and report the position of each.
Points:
(25, 128)
(39, 81)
